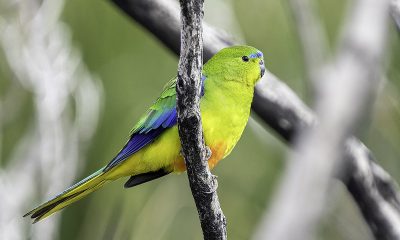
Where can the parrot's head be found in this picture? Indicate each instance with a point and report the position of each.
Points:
(237, 63)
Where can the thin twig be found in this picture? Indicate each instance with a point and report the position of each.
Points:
(202, 183)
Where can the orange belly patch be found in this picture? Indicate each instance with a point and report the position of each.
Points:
(217, 153)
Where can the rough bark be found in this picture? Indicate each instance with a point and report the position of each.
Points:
(283, 111)
(202, 183)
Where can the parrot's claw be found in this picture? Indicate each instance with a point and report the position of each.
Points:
(208, 153)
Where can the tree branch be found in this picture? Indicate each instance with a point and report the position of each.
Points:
(395, 10)
(161, 18)
(311, 34)
(280, 108)
(372, 188)
(202, 183)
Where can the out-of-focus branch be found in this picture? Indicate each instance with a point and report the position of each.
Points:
(46, 158)
(319, 150)
(161, 18)
(374, 191)
(188, 87)
(372, 188)
(280, 108)
(312, 36)
(395, 10)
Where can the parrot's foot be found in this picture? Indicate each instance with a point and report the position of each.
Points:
(208, 153)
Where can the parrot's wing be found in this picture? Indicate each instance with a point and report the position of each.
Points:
(161, 116)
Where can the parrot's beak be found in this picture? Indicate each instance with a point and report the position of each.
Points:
(262, 67)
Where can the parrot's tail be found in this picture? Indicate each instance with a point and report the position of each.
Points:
(70, 195)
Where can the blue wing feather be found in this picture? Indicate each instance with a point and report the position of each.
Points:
(162, 115)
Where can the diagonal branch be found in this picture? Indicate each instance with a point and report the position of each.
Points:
(373, 190)
(318, 151)
(202, 183)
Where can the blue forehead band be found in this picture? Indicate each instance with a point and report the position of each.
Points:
(256, 55)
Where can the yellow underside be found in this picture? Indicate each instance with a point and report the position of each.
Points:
(164, 153)
(223, 122)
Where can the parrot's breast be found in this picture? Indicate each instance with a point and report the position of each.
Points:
(225, 111)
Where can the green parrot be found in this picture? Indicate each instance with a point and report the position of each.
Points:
(153, 149)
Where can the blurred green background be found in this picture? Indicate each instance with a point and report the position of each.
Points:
(133, 67)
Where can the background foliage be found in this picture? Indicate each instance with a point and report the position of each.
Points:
(133, 67)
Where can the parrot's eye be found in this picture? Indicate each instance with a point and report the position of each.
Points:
(245, 59)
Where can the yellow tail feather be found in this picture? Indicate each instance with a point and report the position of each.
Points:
(70, 195)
